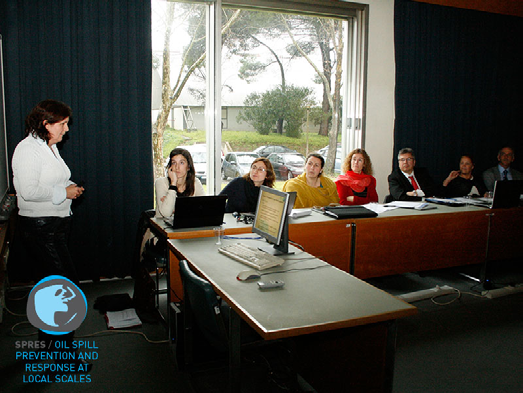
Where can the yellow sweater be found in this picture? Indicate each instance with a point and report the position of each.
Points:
(308, 196)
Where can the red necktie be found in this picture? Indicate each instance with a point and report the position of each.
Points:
(414, 184)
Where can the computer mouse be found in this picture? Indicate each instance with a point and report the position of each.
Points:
(248, 275)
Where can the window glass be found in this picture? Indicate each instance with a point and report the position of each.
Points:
(281, 74)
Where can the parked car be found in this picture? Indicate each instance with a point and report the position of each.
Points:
(258, 149)
(265, 151)
(287, 165)
(237, 164)
(337, 162)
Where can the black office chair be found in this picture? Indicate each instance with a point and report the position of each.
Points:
(152, 257)
(155, 257)
(205, 313)
(202, 309)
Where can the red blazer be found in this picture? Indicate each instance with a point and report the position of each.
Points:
(350, 182)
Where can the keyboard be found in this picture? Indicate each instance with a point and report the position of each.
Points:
(251, 256)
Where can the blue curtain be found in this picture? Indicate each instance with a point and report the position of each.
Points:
(458, 85)
(94, 55)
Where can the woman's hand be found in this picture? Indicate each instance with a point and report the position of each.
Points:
(350, 198)
(451, 177)
(172, 175)
(73, 191)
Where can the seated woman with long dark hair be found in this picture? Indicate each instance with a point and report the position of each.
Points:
(357, 186)
(181, 180)
(243, 192)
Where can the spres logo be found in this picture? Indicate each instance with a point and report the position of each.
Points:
(56, 305)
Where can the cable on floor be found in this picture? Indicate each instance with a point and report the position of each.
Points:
(102, 332)
(110, 332)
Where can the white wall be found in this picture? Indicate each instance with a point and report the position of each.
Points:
(380, 91)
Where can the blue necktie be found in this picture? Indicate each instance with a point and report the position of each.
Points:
(505, 172)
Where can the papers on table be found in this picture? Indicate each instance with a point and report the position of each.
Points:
(379, 208)
(485, 202)
(410, 205)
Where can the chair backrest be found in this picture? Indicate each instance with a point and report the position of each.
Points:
(202, 302)
(143, 225)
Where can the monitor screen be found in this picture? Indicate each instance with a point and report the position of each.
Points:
(271, 219)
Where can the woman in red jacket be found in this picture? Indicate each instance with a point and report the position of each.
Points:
(357, 186)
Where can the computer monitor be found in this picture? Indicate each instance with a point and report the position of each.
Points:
(271, 220)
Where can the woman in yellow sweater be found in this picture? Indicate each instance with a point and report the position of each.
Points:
(312, 188)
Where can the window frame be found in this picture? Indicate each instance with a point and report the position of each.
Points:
(355, 60)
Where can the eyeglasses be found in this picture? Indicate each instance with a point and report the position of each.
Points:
(406, 159)
(259, 169)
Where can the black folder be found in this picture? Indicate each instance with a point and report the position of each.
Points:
(356, 211)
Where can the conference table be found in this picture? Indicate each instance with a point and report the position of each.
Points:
(342, 329)
(396, 242)
(407, 240)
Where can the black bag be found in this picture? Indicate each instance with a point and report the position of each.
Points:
(144, 291)
(115, 302)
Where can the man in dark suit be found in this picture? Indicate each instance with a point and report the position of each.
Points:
(408, 183)
(502, 171)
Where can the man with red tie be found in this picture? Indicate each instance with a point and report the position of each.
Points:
(408, 183)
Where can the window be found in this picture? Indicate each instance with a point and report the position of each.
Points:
(246, 74)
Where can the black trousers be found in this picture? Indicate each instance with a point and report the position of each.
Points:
(45, 239)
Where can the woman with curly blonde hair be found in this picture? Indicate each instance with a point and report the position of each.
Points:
(357, 186)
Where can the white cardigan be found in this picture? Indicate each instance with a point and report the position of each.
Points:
(40, 179)
(161, 187)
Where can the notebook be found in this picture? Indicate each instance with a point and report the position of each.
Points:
(507, 194)
(198, 211)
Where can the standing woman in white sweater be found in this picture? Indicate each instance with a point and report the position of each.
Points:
(44, 190)
(181, 181)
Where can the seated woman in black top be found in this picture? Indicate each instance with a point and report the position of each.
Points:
(243, 191)
(461, 183)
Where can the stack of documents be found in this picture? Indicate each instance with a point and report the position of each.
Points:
(122, 319)
(410, 205)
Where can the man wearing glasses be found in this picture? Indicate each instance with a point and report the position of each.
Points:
(502, 171)
(408, 183)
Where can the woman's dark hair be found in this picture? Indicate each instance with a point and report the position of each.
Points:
(50, 111)
(469, 156)
(318, 156)
(269, 178)
(191, 173)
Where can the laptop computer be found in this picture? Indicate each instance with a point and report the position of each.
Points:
(507, 194)
(198, 211)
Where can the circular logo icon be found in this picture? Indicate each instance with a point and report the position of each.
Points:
(56, 305)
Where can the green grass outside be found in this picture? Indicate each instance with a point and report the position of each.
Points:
(244, 140)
